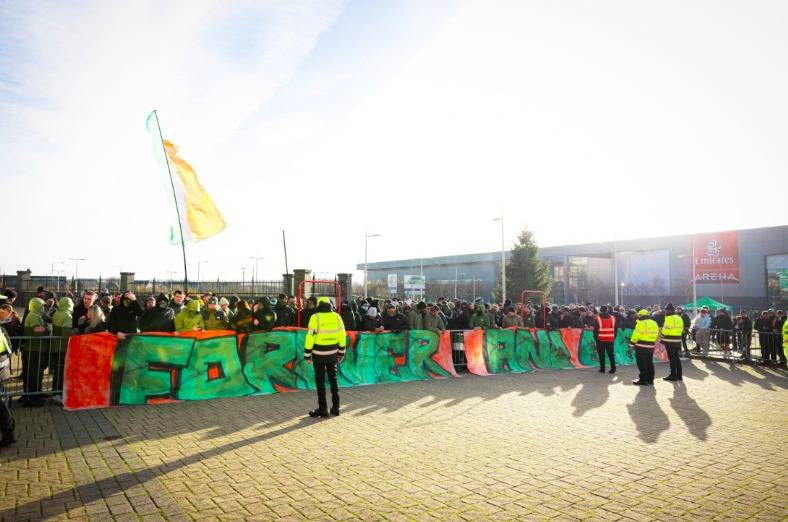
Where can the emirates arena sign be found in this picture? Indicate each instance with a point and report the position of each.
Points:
(716, 258)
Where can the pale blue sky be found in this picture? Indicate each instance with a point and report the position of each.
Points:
(419, 120)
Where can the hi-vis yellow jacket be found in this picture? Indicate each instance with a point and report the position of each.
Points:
(672, 329)
(325, 335)
(645, 333)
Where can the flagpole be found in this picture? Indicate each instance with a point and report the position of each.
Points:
(177, 210)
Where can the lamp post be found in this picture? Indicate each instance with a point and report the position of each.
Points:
(199, 263)
(170, 273)
(243, 277)
(456, 278)
(622, 293)
(367, 235)
(76, 261)
(255, 275)
(52, 271)
(503, 260)
(694, 280)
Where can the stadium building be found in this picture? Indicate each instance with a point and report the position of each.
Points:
(741, 268)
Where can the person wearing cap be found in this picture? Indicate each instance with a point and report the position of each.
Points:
(160, 318)
(703, 331)
(393, 320)
(670, 334)
(285, 315)
(643, 339)
(324, 348)
(214, 317)
(263, 317)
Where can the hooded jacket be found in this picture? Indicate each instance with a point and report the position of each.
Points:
(160, 318)
(264, 317)
(480, 320)
(348, 317)
(124, 317)
(285, 316)
(35, 318)
(189, 317)
(62, 320)
(215, 319)
(395, 323)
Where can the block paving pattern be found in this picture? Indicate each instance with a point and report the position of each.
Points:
(564, 445)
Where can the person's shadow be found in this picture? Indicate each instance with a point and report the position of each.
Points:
(593, 393)
(693, 416)
(648, 417)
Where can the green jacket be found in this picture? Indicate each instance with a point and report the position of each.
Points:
(35, 318)
(215, 319)
(62, 319)
(482, 321)
(189, 317)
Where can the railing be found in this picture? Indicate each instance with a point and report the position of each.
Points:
(37, 366)
(765, 347)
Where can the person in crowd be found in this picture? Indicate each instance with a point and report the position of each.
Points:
(779, 323)
(189, 319)
(150, 302)
(394, 321)
(416, 318)
(62, 326)
(743, 335)
(432, 321)
(285, 315)
(529, 315)
(371, 321)
(348, 317)
(177, 302)
(160, 318)
(309, 309)
(81, 310)
(10, 321)
(670, 334)
(263, 315)
(724, 327)
(512, 319)
(325, 343)
(224, 305)
(124, 318)
(50, 306)
(213, 316)
(496, 316)
(643, 339)
(205, 298)
(35, 356)
(658, 315)
(703, 331)
(242, 320)
(95, 321)
(7, 422)
(106, 304)
(589, 318)
(479, 319)
(10, 297)
(456, 319)
(605, 336)
(763, 325)
(685, 318)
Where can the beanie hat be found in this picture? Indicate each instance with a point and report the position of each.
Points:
(224, 302)
(421, 306)
(372, 312)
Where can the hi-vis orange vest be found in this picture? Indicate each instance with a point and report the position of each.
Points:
(607, 329)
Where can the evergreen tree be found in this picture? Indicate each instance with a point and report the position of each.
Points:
(525, 271)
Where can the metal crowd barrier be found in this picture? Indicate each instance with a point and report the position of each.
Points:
(766, 347)
(37, 366)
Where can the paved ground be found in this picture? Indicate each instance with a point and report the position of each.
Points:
(565, 444)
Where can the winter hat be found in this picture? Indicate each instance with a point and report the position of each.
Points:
(421, 306)
(224, 302)
(372, 312)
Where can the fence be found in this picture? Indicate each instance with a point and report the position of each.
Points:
(37, 363)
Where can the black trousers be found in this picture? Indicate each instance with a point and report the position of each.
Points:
(34, 363)
(684, 341)
(326, 364)
(645, 359)
(764, 339)
(602, 348)
(673, 350)
(7, 423)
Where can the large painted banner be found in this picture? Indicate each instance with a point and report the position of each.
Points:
(716, 257)
(102, 370)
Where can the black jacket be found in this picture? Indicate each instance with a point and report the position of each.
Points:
(158, 319)
(124, 317)
(395, 323)
(370, 323)
(285, 316)
(348, 318)
(266, 319)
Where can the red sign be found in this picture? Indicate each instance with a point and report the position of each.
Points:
(716, 258)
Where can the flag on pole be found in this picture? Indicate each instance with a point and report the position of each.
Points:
(198, 215)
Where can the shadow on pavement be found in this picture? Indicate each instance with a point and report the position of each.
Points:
(694, 417)
(650, 421)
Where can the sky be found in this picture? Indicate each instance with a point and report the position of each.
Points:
(419, 121)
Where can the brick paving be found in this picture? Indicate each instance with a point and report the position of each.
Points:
(571, 444)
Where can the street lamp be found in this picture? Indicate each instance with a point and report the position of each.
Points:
(255, 275)
(622, 293)
(503, 261)
(198, 269)
(367, 235)
(170, 273)
(694, 280)
(76, 261)
(243, 277)
(52, 271)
